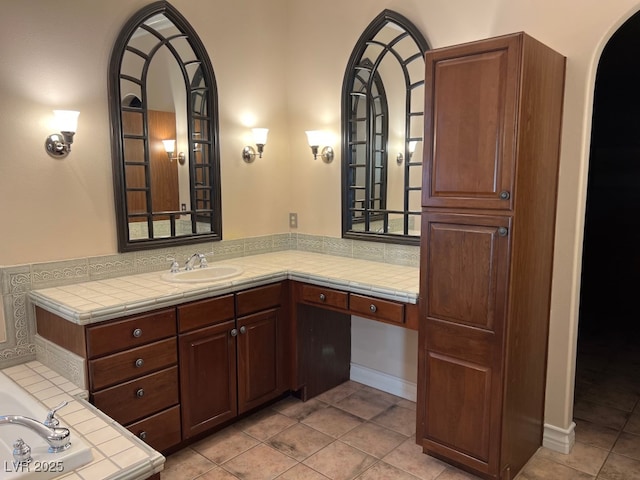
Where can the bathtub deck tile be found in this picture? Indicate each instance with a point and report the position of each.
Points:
(38, 386)
(128, 457)
(90, 426)
(42, 395)
(103, 435)
(99, 470)
(113, 448)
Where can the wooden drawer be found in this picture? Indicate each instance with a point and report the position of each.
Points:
(113, 337)
(123, 366)
(377, 309)
(205, 313)
(325, 296)
(257, 299)
(161, 431)
(140, 397)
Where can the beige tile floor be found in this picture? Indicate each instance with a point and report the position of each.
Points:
(357, 432)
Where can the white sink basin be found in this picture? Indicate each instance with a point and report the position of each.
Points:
(212, 273)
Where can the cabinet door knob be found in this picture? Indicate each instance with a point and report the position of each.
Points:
(504, 195)
(140, 393)
(373, 308)
(243, 329)
(502, 231)
(323, 297)
(139, 363)
(234, 332)
(137, 333)
(142, 435)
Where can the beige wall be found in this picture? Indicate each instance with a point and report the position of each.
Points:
(55, 55)
(280, 62)
(577, 29)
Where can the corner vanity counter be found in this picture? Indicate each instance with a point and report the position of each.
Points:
(96, 301)
(172, 360)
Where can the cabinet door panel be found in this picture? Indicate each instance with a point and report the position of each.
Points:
(207, 378)
(465, 273)
(459, 399)
(259, 359)
(466, 267)
(470, 105)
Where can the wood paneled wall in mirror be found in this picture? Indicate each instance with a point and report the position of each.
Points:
(382, 128)
(162, 87)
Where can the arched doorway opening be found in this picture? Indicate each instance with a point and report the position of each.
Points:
(607, 389)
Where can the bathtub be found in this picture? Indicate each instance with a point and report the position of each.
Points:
(16, 401)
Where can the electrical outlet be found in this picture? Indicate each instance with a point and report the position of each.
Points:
(293, 220)
(183, 207)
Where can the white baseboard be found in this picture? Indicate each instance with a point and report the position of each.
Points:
(559, 439)
(383, 381)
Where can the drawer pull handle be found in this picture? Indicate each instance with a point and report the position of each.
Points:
(140, 393)
(234, 332)
(142, 435)
(373, 308)
(139, 363)
(243, 329)
(137, 333)
(502, 231)
(323, 297)
(504, 195)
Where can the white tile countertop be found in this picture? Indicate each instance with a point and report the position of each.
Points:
(89, 302)
(117, 453)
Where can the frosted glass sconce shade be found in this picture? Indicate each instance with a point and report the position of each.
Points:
(260, 139)
(317, 138)
(170, 148)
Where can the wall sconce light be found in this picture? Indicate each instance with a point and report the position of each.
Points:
(58, 145)
(170, 148)
(260, 139)
(317, 138)
(412, 148)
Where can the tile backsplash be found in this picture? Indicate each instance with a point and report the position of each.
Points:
(20, 343)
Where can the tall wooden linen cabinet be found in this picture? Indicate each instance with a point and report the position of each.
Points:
(493, 113)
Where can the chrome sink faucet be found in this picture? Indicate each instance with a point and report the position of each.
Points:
(58, 438)
(201, 259)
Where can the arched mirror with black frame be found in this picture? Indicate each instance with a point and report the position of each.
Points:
(162, 87)
(382, 132)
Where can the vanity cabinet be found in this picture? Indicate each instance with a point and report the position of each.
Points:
(492, 135)
(207, 363)
(262, 345)
(174, 374)
(232, 356)
(133, 374)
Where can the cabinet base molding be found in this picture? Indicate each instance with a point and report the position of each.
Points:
(383, 381)
(559, 439)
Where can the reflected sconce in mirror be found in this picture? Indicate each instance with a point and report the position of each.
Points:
(260, 139)
(317, 138)
(58, 145)
(412, 148)
(170, 148)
